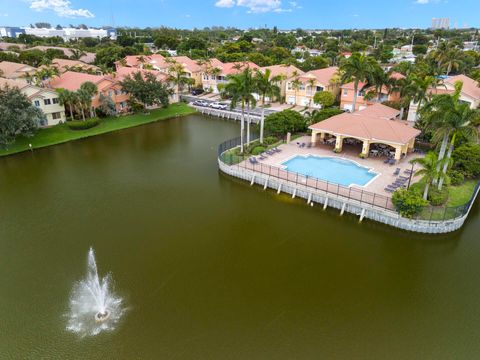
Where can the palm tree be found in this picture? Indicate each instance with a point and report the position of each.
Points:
(240, 88)
(296, 84)
(420, 90)
(312, 83)
(429, 170)
(452, 60)
(77, 54)
(85, 94)
(177, 76)
(266, 86)
(66, 98)
(357, 68)
(405, 89)
(460, 121)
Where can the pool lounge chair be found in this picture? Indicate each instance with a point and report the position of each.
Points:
(277, 150)
(262, 156)
(397, 171)
(253, 161)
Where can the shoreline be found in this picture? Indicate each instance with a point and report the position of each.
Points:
(61, 134)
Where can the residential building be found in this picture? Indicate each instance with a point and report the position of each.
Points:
(10, 70)
(86, 57)
(366, 96)
(309, 84)
(45, 99)
(286, 72)
(71, 33)
(107, 86)
(64, 65)
(215, 73)
(11, 31)
(470, 93)
(440, 23)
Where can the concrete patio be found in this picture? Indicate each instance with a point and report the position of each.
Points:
(351, 152)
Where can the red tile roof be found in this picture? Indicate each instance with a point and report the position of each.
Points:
(323, 76)
(123, 72)
(231, 68)
(369, 125)
(284, 70)
(470, 86)
(73, 80)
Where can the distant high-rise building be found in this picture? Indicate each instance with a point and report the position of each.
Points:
(440, 23)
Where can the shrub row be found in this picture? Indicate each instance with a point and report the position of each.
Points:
(83, 125)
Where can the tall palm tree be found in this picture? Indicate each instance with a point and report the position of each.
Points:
(312, 83)
(357, 68)
(429, 170)
(266, 85)
(420, 87)
(177, 76)
(85, 94)
(66, 98)
(240, 87)
(445, 115)
(296, 84)
(459, 119)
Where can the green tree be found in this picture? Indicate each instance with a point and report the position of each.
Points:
(18, 117)
(67, 98)
(266, 85)
(428, 171)
(177, 76)
(357, 68)
(106, 106)
(240, 88)
(324, 98)
(285, 121)
(146, 89)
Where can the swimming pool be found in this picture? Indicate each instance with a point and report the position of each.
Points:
(335, 170)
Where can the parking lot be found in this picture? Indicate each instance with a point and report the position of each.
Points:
(215, 103)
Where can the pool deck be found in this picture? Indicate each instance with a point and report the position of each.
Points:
(377, 185)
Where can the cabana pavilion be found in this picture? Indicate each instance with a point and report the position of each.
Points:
(374, 125)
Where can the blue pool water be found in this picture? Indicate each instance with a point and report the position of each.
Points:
(334, 170)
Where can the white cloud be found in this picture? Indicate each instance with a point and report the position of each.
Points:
(423, 2)
(62, 8)
(258, 6)
(225, 3)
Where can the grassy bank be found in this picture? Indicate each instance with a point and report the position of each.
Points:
(61, 133)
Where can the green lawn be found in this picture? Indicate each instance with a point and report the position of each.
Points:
(461, 194)
(61, 133)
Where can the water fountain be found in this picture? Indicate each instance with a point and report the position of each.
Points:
(93, 305)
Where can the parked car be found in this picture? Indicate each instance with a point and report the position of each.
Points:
(200, 103)
(219, 106)
(198, 91)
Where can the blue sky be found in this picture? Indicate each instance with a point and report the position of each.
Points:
(285, 14)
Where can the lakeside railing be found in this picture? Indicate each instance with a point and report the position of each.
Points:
(350, 193)
(428, 213)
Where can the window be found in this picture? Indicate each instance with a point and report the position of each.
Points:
(37, 103)
(47, 101)
(302, 87)
(289, 86)
(361, 93)
(55, 100)
(320, 88)
(345, 92)
(56, 116)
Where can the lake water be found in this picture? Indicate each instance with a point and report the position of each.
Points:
(211, 268)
